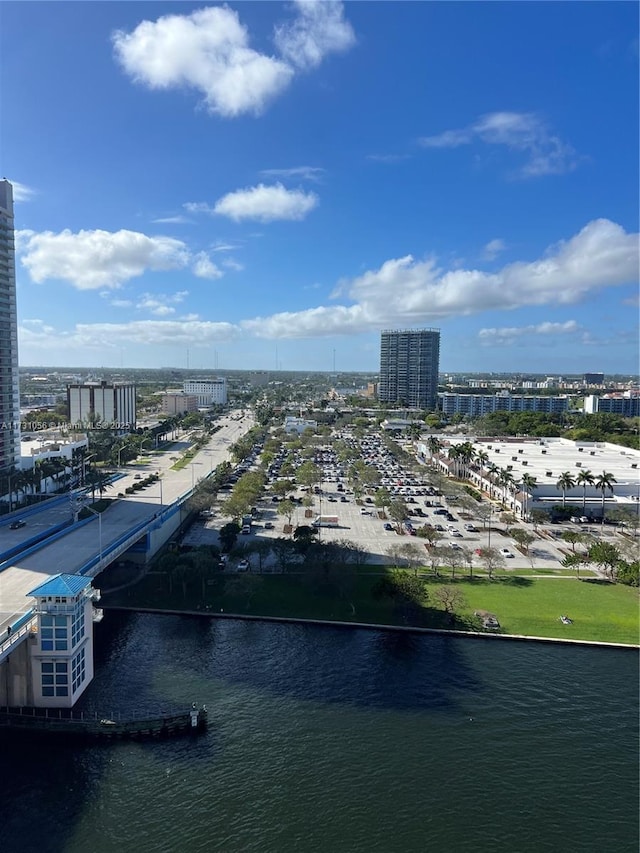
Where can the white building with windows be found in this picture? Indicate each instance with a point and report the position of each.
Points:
(210, 392)
(62, 648)
(299, 425)
(105, 404)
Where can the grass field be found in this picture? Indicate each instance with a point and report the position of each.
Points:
(523, 605)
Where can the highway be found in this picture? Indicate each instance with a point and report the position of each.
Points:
(69, 553)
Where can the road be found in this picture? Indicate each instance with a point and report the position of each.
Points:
(69, 553)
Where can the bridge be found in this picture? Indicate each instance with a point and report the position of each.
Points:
(52, 542)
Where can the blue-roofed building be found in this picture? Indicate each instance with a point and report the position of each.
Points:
(62, 648)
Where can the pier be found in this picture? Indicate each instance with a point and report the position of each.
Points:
(62, 723)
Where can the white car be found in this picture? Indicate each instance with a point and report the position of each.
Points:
(243, 565)
(455, 546)
(506, 553)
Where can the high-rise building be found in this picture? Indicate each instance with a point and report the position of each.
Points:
(103, 404)
(409, 365)
(9, 385)
(593, 378)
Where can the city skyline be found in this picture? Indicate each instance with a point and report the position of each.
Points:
(269, 186)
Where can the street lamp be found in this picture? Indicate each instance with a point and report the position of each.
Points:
(120, 449)
(193, 464)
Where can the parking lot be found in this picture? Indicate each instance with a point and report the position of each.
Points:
(360, 521)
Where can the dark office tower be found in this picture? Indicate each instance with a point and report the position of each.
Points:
(9, 387)
(409, 365)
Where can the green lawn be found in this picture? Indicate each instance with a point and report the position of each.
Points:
(523, 605)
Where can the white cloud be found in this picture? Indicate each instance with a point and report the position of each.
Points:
(172, 220)
(408, 292)
(21, 192)
(207, 50)
(320, 28)
(232, 264)
(526, 132)
(387, 158)
(266, 203)
(203, 267)
(493, 249)
(508, 335)
(90, 260)
(187, 331)
(224, 247)
(198, 207)
(120, 303)
(304, 173)
(161, 304)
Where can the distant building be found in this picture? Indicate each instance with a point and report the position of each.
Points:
(409, 367)
(593, 378)
(299, 425)
(178, 404)
(9, 387)
(476, 405)
(210, 392)
(258, 378)
(103, 404)
(627, 405)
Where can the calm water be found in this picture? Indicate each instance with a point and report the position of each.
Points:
(339, 741)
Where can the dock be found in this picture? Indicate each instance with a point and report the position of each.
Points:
(63, 724)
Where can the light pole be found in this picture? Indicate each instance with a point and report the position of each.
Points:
(193, 473)
(120, 449)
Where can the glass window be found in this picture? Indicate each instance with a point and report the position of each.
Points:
(47, 667)
(61, 666)
(61, 633)
(61, 645)
(47, 645)
(47, 679)
(61, 621)
(62, 691)
(46, 621)
(47, 691)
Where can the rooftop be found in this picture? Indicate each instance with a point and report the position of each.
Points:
(66, 585)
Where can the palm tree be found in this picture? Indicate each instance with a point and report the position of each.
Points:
(604, 483)
(506, 480)
(466, 454)
(482, 457)
(434, 445)
(528, 485)
(565, 481)
(454, 454)
(584, 479)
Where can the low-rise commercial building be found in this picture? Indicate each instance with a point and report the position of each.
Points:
(178, 404)
(540, 463)
(299, 425)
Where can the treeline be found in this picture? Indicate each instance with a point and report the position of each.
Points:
(577, 427)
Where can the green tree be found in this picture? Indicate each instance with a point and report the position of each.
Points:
(408, 593)
(605, 555)
(522, 537)
(539, 516)
(604, 483)
(228, 535)
(572, 537)
(398, 512)
(584, 479)
(565, 482)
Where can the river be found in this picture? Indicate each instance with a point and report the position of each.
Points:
(326, 740)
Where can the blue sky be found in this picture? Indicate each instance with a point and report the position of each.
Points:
(261, 184)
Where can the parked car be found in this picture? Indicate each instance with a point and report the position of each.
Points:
(388, 526)
(17, 524)
(268, 525)
(246, 530)
(506, 553)
(243, 565)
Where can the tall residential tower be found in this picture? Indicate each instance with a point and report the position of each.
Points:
(409, 365)
(9, 386)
